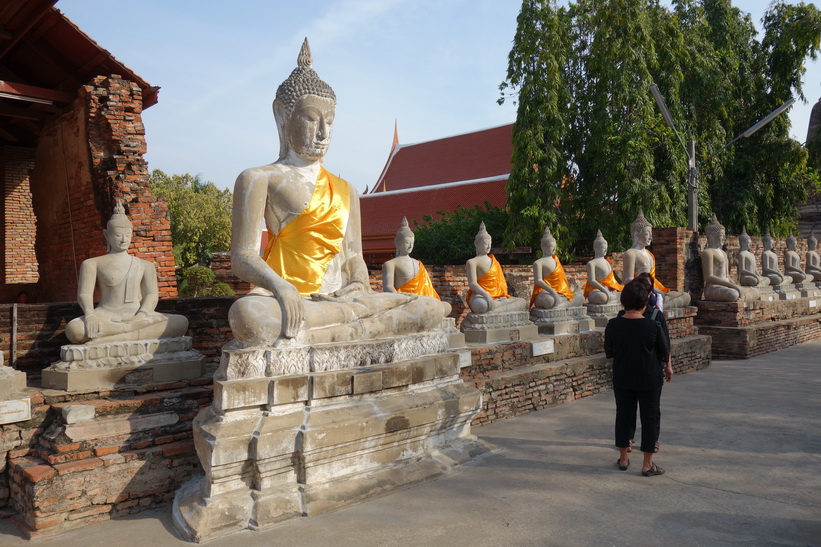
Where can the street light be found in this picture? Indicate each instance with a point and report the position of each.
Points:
(690, 150)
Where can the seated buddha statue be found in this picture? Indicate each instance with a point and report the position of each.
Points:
(747, 274)
(792, 263)
(769, 264)
(715, 267)
(638, 259)
(813, 260)
(311, 284)
(128, 294)
(487, 288)
(601, 287)
(550, 286)
(406, 274)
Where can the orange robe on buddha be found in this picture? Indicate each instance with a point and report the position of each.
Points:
(493, 281)
(420, 284)
(557, 281)
(609, 281)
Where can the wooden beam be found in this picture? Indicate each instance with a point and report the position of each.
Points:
(9, 111)
(24, 90)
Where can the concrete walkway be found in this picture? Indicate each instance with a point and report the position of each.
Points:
(740, 440)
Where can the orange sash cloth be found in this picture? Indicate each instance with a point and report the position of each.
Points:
(420, 284)
(303, 248)
(656, 283)
(493, 281)
(609, 281)
(557, 280)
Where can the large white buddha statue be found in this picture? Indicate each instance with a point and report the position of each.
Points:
(550, 286)
(715, 269)
(748, 275)
(487, 288)
(602, 286)
(128, 294)
(637, 259)
(792, 263)
(406, 274)
(813, 266)
(769, 264)
(311, 284)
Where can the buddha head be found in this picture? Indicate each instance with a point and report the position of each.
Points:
(767, 240)
(304, 110)
(715, 233)
(118, 230)
(641, 231)
(548, 243)
(812, 243)
(482, 240)
(599, 245)
(404, 239)
(744, 240)
(790, 242)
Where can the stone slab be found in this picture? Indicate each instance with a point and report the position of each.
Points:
(12, 382)
(544, 347)
(15, 410)
(110, 427)
(494, 336)
(158, 371)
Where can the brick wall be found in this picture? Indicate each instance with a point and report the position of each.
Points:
(19, 261)
(85, 160)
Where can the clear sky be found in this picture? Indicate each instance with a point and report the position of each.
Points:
(433, 66)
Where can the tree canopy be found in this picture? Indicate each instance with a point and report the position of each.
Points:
(200, 216)
(591, 147)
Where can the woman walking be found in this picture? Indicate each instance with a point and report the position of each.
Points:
(640, 353)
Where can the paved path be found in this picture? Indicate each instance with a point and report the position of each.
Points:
(740, 440)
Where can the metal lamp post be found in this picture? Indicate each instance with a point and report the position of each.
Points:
(690, 150)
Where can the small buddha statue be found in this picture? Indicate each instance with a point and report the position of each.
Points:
(714, 266)
(747, 274)
(813, 260)
(128, 294)
(406, 274)
(638, 259)
(487, 288)
(550, 286)
(602, 287)
(769, 264)
(792, 263)
(311, 284)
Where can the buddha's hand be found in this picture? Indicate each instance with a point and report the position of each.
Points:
(490, 302)
(293, 309)
(351, 289)
(93, 326)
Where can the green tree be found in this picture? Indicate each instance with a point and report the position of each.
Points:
(199, 281)
(200, 216)
(614, 154)
(449, 238)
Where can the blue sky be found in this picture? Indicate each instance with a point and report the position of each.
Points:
(434, 66)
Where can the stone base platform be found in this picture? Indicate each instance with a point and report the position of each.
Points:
(278, 448)
(12, 382)
(786, 292)
(746, 329)
(767, 294)
(490, 328)
(602, 313)
(808, 290)
(569, 320)
(124, 365)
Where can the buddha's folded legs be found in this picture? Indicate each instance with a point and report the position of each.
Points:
(141, 327)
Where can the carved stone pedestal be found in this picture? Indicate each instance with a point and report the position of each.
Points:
(602, 313)
(13, 406)
(807, 290)
(767, 294)
(124, 364)
(786, 292)
(456, 339)
(491, 328)
(279, 447)
(570, 320)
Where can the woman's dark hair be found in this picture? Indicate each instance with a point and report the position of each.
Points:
(645, 276)
(634, 295)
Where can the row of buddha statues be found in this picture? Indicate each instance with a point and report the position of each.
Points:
(487, 289)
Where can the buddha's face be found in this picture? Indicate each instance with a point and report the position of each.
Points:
(768, 243)
(600, 248)
(643, 237)
(118, 237)
(308, 128)
(744, 243)
(482, 245)
(404, 244)
(791, 243)
(548, 246)
(716, 239)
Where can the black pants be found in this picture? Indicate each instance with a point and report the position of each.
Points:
(649, 411)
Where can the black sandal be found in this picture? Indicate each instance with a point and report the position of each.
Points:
(623, 467)
(653, 471)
